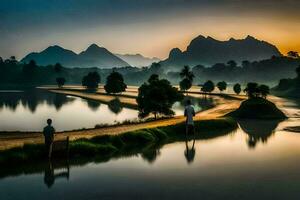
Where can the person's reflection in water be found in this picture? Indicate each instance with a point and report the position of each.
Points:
(50, 176)
(189, 152)
(258, 130)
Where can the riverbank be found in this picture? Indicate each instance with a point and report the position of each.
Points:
(18, 139)
(123, 144)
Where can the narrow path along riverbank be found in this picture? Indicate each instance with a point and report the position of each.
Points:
(15, 139)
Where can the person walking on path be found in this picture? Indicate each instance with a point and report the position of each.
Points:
(189, 113)
(48, 133)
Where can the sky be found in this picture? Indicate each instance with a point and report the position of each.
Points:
(149, 27)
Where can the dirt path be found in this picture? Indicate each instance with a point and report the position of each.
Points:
(11, 139)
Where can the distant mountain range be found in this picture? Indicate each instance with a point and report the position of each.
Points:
(208, 51)
(201, 51)
(137, 60)
(93, 56)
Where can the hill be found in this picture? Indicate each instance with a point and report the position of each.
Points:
(257, 108)
(137, 60)
(208, 51)
(93, 56)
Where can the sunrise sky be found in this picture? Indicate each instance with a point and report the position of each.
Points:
(149, 27)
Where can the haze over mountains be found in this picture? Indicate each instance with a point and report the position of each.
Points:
(208, 51)
(201, 51)
(137, 60)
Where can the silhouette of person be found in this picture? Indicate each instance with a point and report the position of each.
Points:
(48, 133)
(189, 113)
(50, 176)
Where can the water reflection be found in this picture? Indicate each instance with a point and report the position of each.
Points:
(190, 151)
(27, 111)
(115, 106)
(93, 105)
(151, 154)
(32, 99)
(49, 174)
(258, 130)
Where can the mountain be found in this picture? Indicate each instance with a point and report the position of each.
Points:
(93, 56)
(137, 60)
(209, 51)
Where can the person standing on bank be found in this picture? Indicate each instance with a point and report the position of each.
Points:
(48, 133)
(189, 113)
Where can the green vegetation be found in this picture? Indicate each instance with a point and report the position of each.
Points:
(157, 97)
(91, 80)
(289, 87)
(187, 78)
(15, 75)
(222, 86)
(208, 86)
(115, 83)
(257, 108)
(253, 90)
(115, 105)
(237, 88)
(104, 147)
(60, 81)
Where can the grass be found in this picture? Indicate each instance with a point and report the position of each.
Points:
(130, 143)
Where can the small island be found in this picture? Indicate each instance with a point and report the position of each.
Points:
(257, 106)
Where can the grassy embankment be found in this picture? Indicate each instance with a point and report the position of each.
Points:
(257, 108)
(108, 146)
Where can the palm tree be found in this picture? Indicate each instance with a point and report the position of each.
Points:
(187, 78)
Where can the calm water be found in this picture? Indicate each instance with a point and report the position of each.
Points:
(258, 161)
(28, 111)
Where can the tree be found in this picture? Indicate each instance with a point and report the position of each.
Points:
(208, 86)
(264, 90)
(222, 86)
(91, 80)
(298, 72)
(251, 90)
(157, 96)
(115, 83)
(237, 88)
(58, 67)
(232, 64)
(246, 64)
(293, 54)
(30, 69)
(60, 81)
(187, 78)
(1, 60)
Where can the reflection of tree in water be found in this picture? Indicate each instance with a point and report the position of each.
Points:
(190, 150)
(203, 103)
(206, 103)
(258, 130)
(93, 105)
(31, 99)
(9, 101)
(151, 154)
(50, 176)
(115, 106)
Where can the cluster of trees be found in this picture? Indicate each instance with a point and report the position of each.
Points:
(157, 96)
(254, 90)
(290, 87)
(114, 82)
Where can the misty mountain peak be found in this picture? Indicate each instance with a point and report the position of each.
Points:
(93, 47)
(249, 37)
(207, 51)
(175, 53)
(54, 48)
